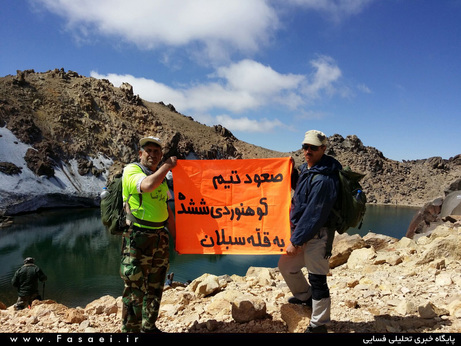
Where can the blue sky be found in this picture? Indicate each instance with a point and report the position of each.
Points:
(388, 71)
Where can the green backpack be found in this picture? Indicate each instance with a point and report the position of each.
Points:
(113, 215)
(350, 205)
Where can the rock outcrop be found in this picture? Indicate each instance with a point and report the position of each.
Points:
(437, 211)
(68, 134)
(377, 284)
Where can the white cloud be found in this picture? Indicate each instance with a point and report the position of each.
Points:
(252, 84)
(216, 27)
(242, 86)
(255, 77)
(326, 73)
(209, 30)
(364, 88)
(334, 9)
(199, 98)
(246, 124)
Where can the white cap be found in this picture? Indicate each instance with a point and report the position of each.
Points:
(315, 137)
(151, 139)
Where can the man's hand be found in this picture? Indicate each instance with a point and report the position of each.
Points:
(292, 250)
(172, 162)
(153, 181)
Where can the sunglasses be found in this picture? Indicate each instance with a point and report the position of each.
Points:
(313, 147)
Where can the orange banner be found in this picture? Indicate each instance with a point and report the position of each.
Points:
(232, 206)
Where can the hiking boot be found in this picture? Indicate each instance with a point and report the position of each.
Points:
(154, 330)
(319, 329)
(294, 300)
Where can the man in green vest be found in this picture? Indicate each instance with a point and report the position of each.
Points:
(145, 247)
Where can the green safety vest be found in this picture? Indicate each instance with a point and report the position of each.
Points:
(149, 206)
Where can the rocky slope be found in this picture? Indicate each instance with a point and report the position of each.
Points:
(66, 134)
(62, 135)
(377, 284)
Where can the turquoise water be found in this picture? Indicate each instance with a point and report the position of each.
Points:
(81, 259)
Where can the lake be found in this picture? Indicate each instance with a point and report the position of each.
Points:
(82, 260)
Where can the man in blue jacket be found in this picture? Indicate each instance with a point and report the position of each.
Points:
(314, 197)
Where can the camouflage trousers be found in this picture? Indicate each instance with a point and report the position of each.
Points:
(144, 265)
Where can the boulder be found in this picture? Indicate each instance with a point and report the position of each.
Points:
(75, 316)
(427, 214)
(360, 257)
(451, 204)
(297, 317)
(205, 285)
(446, 247)
(262, 276)
(378, 241)
(104, 305)
(429, 310)
(248, 309)
(343, 245)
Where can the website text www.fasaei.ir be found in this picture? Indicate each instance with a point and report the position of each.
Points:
(72, 338)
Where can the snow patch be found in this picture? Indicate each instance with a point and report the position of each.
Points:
(28, 192)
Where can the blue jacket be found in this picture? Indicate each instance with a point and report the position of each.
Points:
(314, 197)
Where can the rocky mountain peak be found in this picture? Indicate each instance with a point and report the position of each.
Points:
(67, 119)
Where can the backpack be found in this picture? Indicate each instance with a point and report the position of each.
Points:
(115, 213)
(350, 205)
